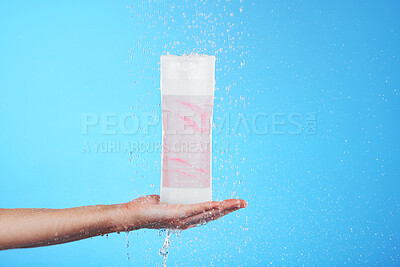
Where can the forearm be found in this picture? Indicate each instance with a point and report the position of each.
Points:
(22, 228)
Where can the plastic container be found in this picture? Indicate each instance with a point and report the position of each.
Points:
(187, 99)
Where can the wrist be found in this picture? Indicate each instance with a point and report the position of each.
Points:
(124, 217)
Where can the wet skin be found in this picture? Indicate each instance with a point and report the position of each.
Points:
(25, 228)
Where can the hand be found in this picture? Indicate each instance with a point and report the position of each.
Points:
(23, 228)
(149, 212)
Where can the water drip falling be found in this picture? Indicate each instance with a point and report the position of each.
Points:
(164, 251)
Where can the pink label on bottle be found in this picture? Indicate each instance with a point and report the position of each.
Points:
(186, 141)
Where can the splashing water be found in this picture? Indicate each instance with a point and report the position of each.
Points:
(165, 248)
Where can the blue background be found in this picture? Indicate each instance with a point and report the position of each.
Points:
(324, 198)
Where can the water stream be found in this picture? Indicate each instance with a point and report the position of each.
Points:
(164, 251)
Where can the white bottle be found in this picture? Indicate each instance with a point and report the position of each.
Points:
(187, 97)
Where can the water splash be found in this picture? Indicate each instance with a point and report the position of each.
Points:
(164, 251)
(165, 248)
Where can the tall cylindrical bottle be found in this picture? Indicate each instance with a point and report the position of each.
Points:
(187, 97)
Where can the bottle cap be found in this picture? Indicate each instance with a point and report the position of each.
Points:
(188, 74)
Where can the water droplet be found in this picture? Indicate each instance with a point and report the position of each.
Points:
(127, 239)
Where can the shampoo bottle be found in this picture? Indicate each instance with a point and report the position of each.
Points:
(187, 97)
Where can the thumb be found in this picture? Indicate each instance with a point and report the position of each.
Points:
(150, 199)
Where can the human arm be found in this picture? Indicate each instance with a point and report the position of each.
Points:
(23, 228)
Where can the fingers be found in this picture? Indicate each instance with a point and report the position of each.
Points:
(150, 199)
(201, 219)
(193, 209)
(223, 208)
(232, 203)
(153, 199)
